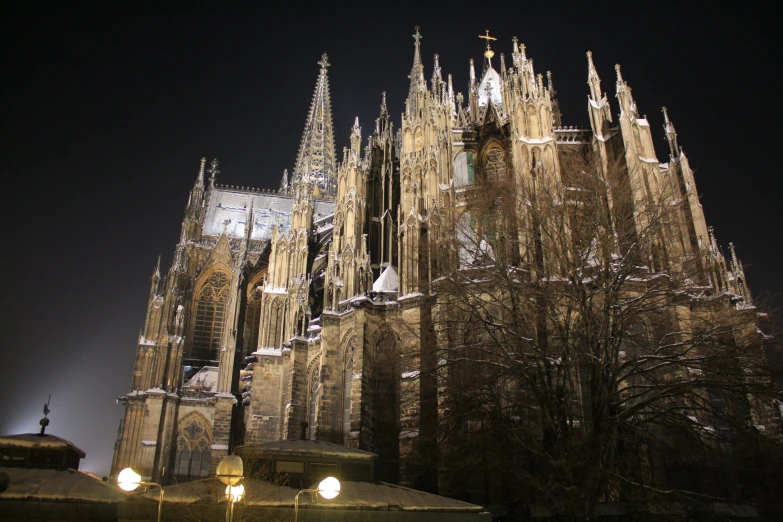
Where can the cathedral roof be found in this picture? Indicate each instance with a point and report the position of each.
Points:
(492, 78)
(305, 447)
(229, 208)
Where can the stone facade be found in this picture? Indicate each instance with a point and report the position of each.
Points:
(309, 310)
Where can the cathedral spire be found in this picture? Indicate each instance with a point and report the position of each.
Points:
(624, 95)
(592, 78)
(417, 71)
(315, 162)
(671, 135)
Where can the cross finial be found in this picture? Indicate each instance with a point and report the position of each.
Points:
(417, 36)
(324, 61)
(213, 169)
(489, 53)
(487, 37)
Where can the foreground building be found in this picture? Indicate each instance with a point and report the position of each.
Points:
(312, 311)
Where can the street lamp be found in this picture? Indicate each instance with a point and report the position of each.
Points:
(328, 488)
(129, 480)
(230, 472)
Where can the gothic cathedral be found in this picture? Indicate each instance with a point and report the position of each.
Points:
(308, 311)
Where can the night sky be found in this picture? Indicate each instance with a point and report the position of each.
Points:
(106, 114)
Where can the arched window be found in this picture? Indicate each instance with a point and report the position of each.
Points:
(193, 449)
(464, 170)
(347, 380)
(252, 320)
(210, 317)
(315, 391)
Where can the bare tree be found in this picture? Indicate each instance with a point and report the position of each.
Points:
(581, 361)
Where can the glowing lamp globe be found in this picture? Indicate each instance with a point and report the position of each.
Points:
(329, 488)
(128, 479)
(230, 470)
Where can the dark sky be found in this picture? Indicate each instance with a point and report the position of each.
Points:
(107, 112)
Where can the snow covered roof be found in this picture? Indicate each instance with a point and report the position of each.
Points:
(38, 441)
(353, 495)
(303, 448)
(233, 206)
(205, 379)
(57, 484)
(490, 77)
(388, 281)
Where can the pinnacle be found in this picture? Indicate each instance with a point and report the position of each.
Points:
(315, 160)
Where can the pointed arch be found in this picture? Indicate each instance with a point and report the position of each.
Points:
(193, 447)
(494, 161)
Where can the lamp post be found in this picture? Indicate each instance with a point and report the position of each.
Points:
(327, 488)
(129, 480)
(230, 472)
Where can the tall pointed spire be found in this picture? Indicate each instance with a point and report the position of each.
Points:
(417, 71)
(624, 95)
(671, 135)
(315, 162)
(592, 78)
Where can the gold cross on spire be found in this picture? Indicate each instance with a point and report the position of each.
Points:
(324, 61)
(489, 53)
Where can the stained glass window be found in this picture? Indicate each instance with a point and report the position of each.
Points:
(210, 317)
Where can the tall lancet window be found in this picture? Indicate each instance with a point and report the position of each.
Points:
(210, 318)
(252, 320)
(347, 382)
(312, 410)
